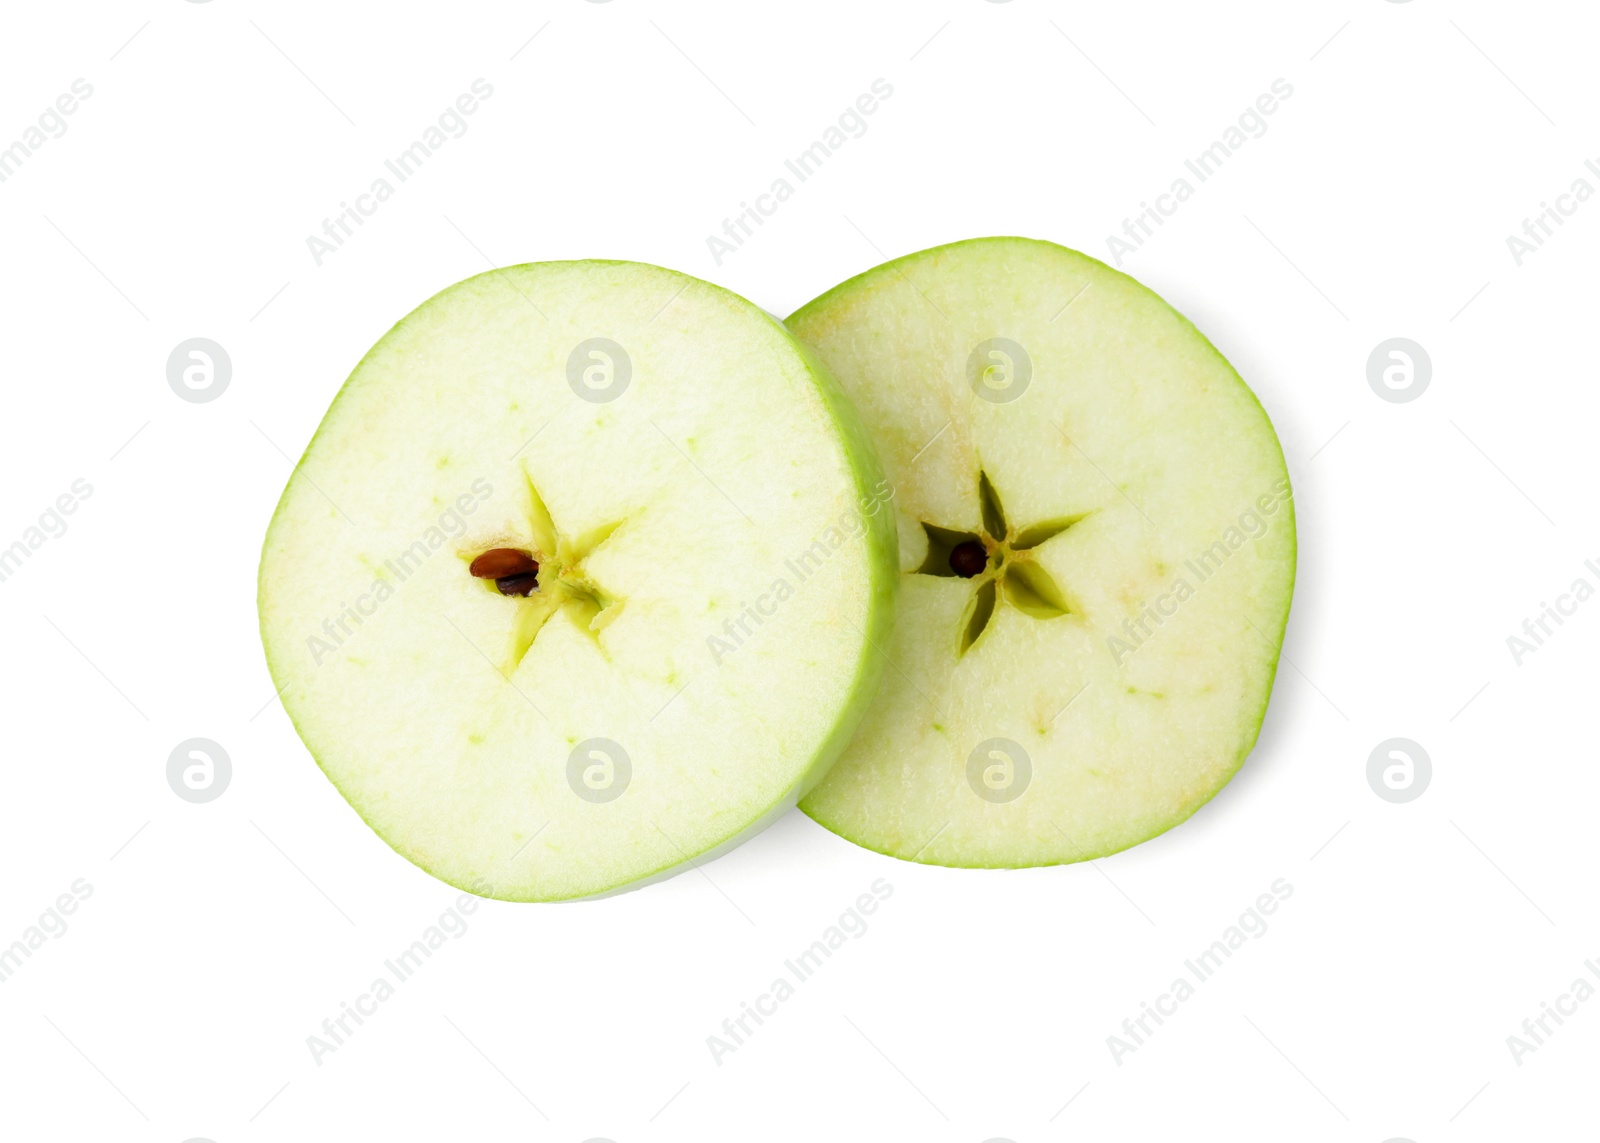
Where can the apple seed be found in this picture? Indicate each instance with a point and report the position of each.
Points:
(518, 584)
(499, 563)
(968, 559)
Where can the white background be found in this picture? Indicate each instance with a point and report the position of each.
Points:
(978, 1004)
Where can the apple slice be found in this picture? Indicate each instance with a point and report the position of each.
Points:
(1097, 553)
(579, 580)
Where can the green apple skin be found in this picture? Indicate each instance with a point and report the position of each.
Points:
(1131, 417)
(496, 847)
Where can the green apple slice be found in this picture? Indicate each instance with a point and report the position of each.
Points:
(715, 564)
(1097, 553)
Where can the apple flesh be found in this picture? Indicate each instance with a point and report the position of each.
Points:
(527, 595)
(1097, 553)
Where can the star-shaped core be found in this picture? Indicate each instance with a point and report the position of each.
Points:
(541, 572)
(999, 562)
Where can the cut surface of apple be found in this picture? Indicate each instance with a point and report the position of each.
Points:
(1097, 553)
(579, 579)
